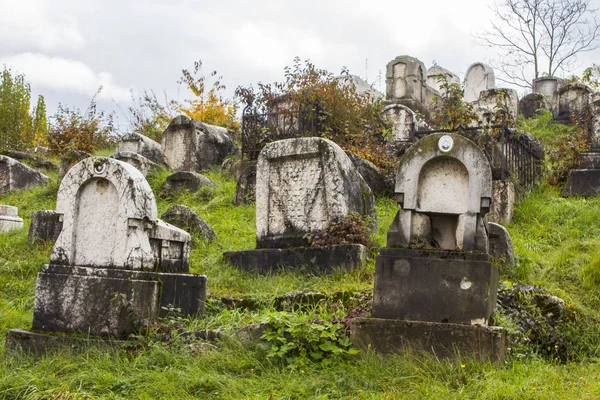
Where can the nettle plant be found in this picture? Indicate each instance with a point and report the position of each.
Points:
(296, 340)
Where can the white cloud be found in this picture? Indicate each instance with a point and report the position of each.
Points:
(64, 74)
(32, 24)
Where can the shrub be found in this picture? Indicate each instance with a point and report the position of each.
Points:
(351, 229)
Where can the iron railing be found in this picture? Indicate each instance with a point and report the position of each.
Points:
(258, 129)
(512, 154)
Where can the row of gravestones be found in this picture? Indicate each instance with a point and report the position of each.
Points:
(410, 84)
(115, 263)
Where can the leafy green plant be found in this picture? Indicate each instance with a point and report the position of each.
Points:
(450, 111)
(296, 341)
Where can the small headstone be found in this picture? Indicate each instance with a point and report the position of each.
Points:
(45, 225)
(504, 195)
(9, 218)
(571, 101)
(190, 145)
(479, 77)
(142, 145)
(143, 164)
(15, 175)
(188, 180)
(183, 217)
(497, 102)
(501, 249)
(530, 104)
(245, 190)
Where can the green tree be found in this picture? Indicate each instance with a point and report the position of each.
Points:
(20, 127)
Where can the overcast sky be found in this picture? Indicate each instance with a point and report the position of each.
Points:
(68, 48)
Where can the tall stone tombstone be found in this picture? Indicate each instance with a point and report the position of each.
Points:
(114, 264)
(405, 79)
(302, 185)
(435, 287)
(190, 145)
(479, 77)
(585, 180)
(15, 175)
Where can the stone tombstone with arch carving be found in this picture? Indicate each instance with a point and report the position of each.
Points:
(435, 287)
(479, 77)
(402, 120)
(114, 262)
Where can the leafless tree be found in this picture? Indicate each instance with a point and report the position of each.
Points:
(540, 37)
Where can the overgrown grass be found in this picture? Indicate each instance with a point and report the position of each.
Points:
(555, 239)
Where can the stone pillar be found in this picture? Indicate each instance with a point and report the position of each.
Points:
(9, 218)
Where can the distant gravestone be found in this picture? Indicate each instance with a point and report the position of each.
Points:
(187, 180)
(190, 145)
(45, 225)
(114, 264)
(479, 77)
(302, 185)
(435, 73)
(142, 145)
(140, 162)
(501, 248)
(9, 218)
(493, 103)
(245, 189)
(15, 175)
(183, 217)
(571, 101)
(403, 122)
(530, 104)
(546, 86)
(405, 79)
(435, 287)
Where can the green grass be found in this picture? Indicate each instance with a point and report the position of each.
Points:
(556, 240)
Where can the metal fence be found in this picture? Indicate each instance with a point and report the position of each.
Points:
(512, 154)
(258, 129)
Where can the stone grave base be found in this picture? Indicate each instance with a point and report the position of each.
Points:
(9, 218)
(434, 285)
(309, 260)
(442, 340)
(38, 344)
(110, 302)
(582, 182)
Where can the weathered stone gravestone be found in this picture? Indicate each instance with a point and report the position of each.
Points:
(187, 180)
(585, 180)
(302, 185)
(530, 104)
(15, 175)
(492, 103)
(190, 145)
(140, 162)
(142, 145)
(433, 77)
(9, 218)
(546, 86)
(571, 101)
(435, 287)
(45, 225)
(405, 79)
(403, 122)
(245, 189)
(114, 264)
(479, 77)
